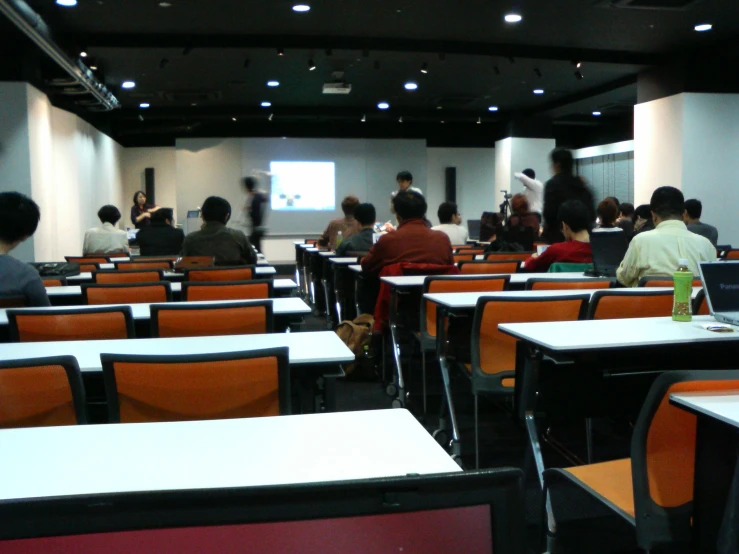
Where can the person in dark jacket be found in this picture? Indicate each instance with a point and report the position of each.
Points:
(559, 189)
(365, 215)
(160, 238)
(256, 208)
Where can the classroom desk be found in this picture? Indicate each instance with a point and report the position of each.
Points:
(171, 275)
(327, 254)
(95, 459)
(343, 286)
(716, 489)
(343, 261)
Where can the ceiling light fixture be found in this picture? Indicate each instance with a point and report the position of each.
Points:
(400, 119)
(410, 85)
(67, 3)
(311, 65)
(141, 118)
(233, 119)
(383, 106)
(165, 4)
(128, 84)
(94, 67)
(364, 118)
(512, 18)
(442, 121)
(578, 75)
(703, 27)
(144, 105)
(301, 8)
(479, 121)
(538, 91)
(270, 117)
(273, 84)
(83, 54)
(596, 114)
(424, 68)
(280, 51)
(266, 104)
(492, 108)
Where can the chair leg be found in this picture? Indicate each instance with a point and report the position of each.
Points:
(477, 437)
(589, 438)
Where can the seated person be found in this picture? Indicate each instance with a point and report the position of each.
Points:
(19, 217)
(365, 215)
(607, 215)
(412, 241)
(574, 221)
(522, 216)
(106, 239)
(160, 238)
(347, 224)
(626, 218)
(490, 226)
(692, 218)
(451, 224)
(657, 252)
(228, 246)
(643, 219)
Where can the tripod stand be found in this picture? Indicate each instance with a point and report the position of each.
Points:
(505, 207)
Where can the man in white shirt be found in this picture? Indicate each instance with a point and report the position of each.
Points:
(534, 190)
(451, 224)
(657, 252)
(106, 239)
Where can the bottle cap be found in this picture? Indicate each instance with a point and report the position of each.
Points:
(683, 261)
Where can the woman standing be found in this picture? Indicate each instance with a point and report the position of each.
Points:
(141, 211)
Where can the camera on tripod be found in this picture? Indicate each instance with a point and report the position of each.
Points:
(506, 195)
(505, 207)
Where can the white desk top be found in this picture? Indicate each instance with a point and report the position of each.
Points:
(356, 268)
(87, 276)
(176, 287)
(616, 333)
(94, 459)
(327, 254)
(280, 306)
(723, 406)
(343, 261)
(305, 348)
(516, 278)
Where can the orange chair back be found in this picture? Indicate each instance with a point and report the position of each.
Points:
(477, 268)
(567, 284)
(166, 265)
(66, 324)
(134, 293)
(227, 290)
(87, 268)
(195, 261)
(612, 305)
(54, 282)
(468, 250)
(498, 256)
(493, 351)
(185, 388)
(463, 258)
(38, 393)
(732, 255)
(666, 282)
(129, 276)
(437, 285)
(13, 302)
(86, 259)
(220, 274)
(181, 320)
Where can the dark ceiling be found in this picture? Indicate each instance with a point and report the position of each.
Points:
(202, 64)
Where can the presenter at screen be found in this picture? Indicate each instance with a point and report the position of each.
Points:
(141, 211)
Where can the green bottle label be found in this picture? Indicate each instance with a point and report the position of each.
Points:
(681, 306)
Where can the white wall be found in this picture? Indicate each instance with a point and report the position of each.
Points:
(163, 160)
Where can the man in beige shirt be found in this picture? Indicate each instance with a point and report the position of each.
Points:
(106, 239)
(657, 252)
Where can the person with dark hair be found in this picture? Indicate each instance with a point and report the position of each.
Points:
(412, 241)
(450, 223)
(256, 209)
(607, 214)
(141, 211)
(625, 221)
(692, 218)
(643, 219)
(365, 215)
(19, 217)
(533, 189)
(161, 238)
(405, 182)
(347, 225)
(106, 239)
(560, 188)
(522, 216)
(658, 252)
(575, 221)
(228, 246)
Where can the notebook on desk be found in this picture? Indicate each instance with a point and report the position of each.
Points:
(721, 285)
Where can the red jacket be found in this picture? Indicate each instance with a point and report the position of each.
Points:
(411, 242)
(572, 251)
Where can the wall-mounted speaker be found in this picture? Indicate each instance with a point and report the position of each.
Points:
(450, 174)
(149, 186)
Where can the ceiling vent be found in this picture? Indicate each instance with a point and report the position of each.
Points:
(337, 85)
(192, 97)
(663, 5)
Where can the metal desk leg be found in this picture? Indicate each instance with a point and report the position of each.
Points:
(326, 295)
(455, 444)
(397, 388)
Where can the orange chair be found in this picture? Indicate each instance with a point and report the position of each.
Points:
(463, 258)
(129, 293)
(185, 388)
(237, 273)
(88, 268)
(660, 281)
(194, 261)
(86, 259)
(621, 304)
(41, 392)
(568, 284)
(700, 304)
(505, 256)
(113, 277)
(732, 255)
(489, 268)
(653, 490)
(147, 259)
(227, 290)
(64, 324)
(201, 320)
(469, 250)
(493, 361)
(13, 302)
(166, 265)
(57, 282)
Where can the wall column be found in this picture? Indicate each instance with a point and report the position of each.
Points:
(513, 155)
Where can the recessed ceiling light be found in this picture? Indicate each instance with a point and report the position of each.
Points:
(383, 106)
(301, 8)
(67, 3)
(400, 119)
(83, 54)
(233, 119)
(512, 18)
(266, 104)
(703, 27)
(492, 108)
(94, 67)
(364, 118)
(311, 65)
(424, 67)
(144, 105)
(165, 4)
(280, 51)
(479, 121)
(128, 84)
(273, 83)
(410, 86)
(271, 116)
(596, 114)
(538, 91)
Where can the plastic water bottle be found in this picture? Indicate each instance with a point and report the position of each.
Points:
(683, 280)
(339, 238)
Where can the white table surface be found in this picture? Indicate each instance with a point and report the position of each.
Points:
(356, 268)
(305, 348)
(280, 306)
(516, 278)
(94, 459)
(344, 261)
(87, 276)
(176, 287)
(723, 406)
(327, 254)
(616, 333)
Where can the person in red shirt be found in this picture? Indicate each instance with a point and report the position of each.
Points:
(574, 219)
(412, 241)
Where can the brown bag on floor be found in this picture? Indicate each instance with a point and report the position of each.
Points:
(357, 335)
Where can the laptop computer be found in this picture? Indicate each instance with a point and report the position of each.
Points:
(609, 250)
(473, 229)
(721, 285)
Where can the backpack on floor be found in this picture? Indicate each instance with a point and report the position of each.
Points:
(357, 335)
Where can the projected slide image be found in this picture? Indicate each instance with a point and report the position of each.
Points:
(303, 186)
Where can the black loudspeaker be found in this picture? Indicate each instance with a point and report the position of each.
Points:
(451, 184)
(149, 182)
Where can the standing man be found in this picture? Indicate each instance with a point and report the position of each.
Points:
(256, 207)
(692, 218)
(534, 190)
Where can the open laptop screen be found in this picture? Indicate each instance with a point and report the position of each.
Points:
(721, 283)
